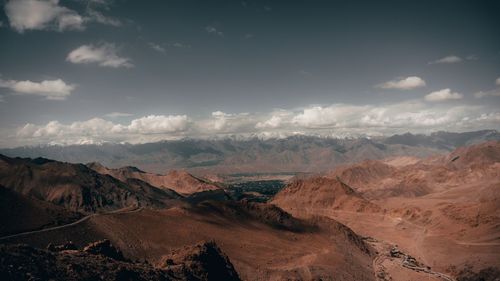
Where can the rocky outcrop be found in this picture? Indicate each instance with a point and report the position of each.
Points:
(101, 261)
(204, 261)
(104, 248)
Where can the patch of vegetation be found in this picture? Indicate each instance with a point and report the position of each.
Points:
(255, 191)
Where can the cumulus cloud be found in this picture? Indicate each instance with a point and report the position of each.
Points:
(447, 59)
(37, 15)
(415, 116)
(159, 124)
(407, 83)
(98, 17)
(50, 15)
(50, 89)
(443, 95)
(221, 122)
(337, 115)
(105, 54)
(336, 120)
(97, 130)
(213, 30)
(272, 123)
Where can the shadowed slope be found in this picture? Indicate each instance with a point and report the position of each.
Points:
(19, 213)
(262, 241)
(101, 261)
(75, 186)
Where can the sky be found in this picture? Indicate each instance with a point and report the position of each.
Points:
(93, 71)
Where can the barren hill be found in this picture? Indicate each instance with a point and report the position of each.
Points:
(378, 179)
(262, 241)
(75, 186)
(179, 181)
(318, 195)
(443, 210)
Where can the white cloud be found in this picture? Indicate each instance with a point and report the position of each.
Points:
(447, 59)
(213, 30)
(104, 54)
(97, 130)
(156, 47)
(158, 124)
(98, 17)
(328, 117)
(497, 82)
(38, 15)
(415, 116)
(118, 114)
(221, 122)
(272, 123)
(407, 83)
(336, 120)
(443, 95)
(50, 15)
(50, 89)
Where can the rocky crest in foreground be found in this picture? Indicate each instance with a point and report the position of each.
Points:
(101, 261)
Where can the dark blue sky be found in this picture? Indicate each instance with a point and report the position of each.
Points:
(205, 68)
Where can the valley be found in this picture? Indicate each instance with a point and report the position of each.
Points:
(397, 218)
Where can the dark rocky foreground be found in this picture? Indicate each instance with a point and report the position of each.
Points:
(102, 261)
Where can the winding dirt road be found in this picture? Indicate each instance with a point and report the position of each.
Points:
(125, 210)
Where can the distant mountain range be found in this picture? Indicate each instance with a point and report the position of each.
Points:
(292, 154)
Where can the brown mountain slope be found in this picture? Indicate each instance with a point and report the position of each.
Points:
(75, 186)
(19, 213)
(180, 181)
(316, 195)
(363, 173)
(101, 261)
(262, 241)
(466, 165)
(486, 153)
(442, 210)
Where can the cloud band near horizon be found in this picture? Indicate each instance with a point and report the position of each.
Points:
(336, 120)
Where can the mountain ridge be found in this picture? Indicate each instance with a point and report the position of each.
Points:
(224, 156)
